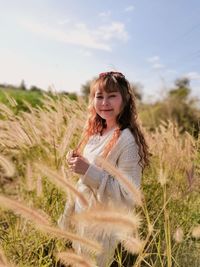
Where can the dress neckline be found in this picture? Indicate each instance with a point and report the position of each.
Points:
(106, 133)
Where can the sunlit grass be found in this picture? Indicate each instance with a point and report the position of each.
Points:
(162, 231)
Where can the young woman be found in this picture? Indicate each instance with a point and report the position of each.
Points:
(113, 132)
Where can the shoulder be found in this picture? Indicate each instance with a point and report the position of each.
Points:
(125, 145)
(127, 133)
(126, 139)
(127, 136)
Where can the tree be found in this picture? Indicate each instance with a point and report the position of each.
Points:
(181, 90)
(137, 88)
(179, 106)
(22, 85)
(35, 88)
(85, 89)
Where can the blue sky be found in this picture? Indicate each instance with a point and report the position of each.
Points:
(63, 43)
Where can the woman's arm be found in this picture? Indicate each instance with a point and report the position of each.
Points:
(127, 164)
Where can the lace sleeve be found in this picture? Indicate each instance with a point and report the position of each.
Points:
(109, 187)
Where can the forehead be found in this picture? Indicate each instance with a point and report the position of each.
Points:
(106, 91)
(105, 86)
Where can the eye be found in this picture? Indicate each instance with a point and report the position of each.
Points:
(99, 97)
(112, 95)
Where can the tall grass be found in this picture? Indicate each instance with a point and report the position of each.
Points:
(162, 231)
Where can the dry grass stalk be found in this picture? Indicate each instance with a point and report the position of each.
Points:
(90, 245)
(28, 105)
(65, 174)
(59, 181)
(18, 135)
(39, 218)
(29, 177)
(27, 124)
(42, 222)
(39, 186)
(8, 167)
(6, 111)
(128, 185)
(11, 100)
(181, 149)
(3, 260)
(109, 220)
(42, 126)
(74, 260)
(73, 124)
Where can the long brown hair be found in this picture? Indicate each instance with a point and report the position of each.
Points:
(127, 118)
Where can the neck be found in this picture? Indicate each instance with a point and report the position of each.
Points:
(110, 125)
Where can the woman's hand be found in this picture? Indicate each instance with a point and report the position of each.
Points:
(77, 163)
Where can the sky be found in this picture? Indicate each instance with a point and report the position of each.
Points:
(62, 44)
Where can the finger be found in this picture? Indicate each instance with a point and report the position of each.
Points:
(72, 167)
(75, 153)
(69, 154)
(74, 160)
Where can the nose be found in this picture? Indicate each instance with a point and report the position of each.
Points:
(105, 101)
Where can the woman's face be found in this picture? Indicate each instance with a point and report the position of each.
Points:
(108, 104)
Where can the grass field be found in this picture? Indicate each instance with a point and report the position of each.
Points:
(33, 179)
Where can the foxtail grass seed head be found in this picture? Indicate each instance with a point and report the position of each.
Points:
(162, 177)
(29, 177)
(108, 221)
(133, 245)
(178, 235)
(64, 144)
(6, 111)
(39, 186)
(57, 179)
(42, 222)
(39, 218)
(7, 166)
(135, 193)
(73, 259)
(3, 259)
(196, 232)
(92, 246)
(150, 228)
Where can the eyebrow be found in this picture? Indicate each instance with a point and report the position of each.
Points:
(100, 93)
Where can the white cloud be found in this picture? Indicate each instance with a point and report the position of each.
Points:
(79, 34)
(116, 30)
(158, 66)
(155, 62)
(153, 59)
(129, 8)
(171, 71)
(193, 75)
(104, 14)
(16, 67)
(63, 22)
(85, 53)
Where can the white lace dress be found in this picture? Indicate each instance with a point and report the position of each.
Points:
(99, 184)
